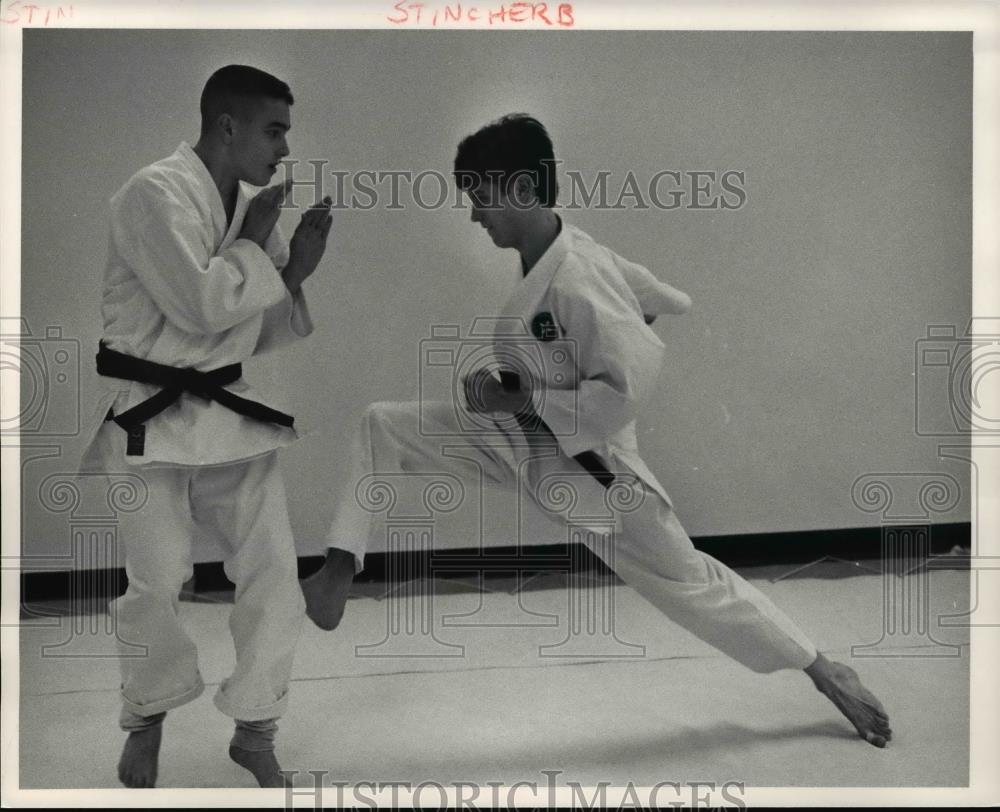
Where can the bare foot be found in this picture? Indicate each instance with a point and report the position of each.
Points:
(262, 764)
(326, 591)
(138, 764)
(840, 684)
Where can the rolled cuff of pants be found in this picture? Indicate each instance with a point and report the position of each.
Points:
(255, 736)
(133, 722)
(161, 705)
(272, 711)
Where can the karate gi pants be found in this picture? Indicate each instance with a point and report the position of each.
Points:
(652, 553)
(243, 505)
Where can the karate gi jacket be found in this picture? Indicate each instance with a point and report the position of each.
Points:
(182, 289)
(596, 358)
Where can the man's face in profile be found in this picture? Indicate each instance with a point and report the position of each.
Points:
(259, 139)
(496, 211)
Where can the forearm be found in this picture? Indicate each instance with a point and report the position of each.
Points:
(164, 245)
(284, 323)
(293, 276)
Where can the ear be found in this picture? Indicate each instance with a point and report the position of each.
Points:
(524, 190)
(226, 127)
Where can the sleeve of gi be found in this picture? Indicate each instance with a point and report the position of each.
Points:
(166, 244)
(618, 359)
(289, 319)
(655, 297)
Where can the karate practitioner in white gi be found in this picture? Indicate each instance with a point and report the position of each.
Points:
(574, 392)
(199, 279)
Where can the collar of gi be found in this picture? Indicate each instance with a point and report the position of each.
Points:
(187, 154)
(553, 256)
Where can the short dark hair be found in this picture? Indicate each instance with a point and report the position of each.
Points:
(514, 145)
(234, 88)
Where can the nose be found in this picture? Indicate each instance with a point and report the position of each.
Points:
(283, 150)
(476, 216)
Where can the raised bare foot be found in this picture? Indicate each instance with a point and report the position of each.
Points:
(263, 764)
(326, 591)
(841, 685)
(138, 764)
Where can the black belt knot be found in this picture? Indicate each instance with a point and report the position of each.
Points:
(175, 381)
(511, 382)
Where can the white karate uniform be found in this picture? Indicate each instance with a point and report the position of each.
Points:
(587, 384)
(181, 289)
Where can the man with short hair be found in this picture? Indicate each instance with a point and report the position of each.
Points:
(563, 408)
(199, 279)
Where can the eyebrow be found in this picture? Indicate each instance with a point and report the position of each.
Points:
(281, 124)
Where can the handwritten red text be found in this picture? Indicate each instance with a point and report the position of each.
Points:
(540, 14)
(19, 13)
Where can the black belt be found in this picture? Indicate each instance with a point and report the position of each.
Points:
(175, 382)
(591, 463)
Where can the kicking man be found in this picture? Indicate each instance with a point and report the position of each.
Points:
(576, 419)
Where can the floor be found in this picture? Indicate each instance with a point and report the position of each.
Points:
(489, 681)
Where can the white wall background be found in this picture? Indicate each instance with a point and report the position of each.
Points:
(793, 375)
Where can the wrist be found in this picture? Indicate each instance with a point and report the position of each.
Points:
(292, 282)
(256, 239)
